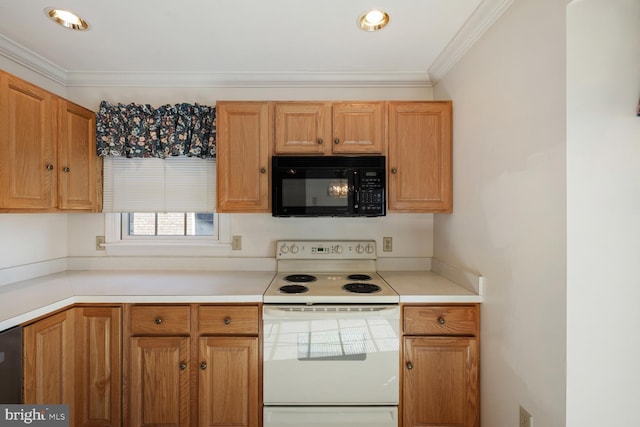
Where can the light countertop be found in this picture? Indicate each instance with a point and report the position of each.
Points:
(23, 301)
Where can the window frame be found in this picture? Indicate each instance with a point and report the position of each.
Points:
(200, 246)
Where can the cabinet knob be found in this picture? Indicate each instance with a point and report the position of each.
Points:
(227, 320)
(66, 169)
(320, 141)
(158, 320)
(183, 366)
(49, 167)
(336, 141)
(409, 365)
(441, 320)
(203, 366)
(263, 170)
(394, 170)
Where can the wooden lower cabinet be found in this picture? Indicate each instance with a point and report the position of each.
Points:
(229, 382)
(159, 383)
(440, 378)
(193, 365)
(74, 357)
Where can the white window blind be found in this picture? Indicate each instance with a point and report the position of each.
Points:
(175, 184)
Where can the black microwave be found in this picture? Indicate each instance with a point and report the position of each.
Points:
(328, 186)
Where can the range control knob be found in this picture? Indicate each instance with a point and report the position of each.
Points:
(294, 249)
(369, 248)
(284, 248)
(359, 248)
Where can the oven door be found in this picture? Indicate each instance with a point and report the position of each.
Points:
(314, 191)
(331, 355)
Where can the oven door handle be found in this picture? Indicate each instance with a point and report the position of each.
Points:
(339, 312)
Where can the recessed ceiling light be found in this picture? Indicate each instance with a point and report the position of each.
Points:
(66, 19)
(373, 20)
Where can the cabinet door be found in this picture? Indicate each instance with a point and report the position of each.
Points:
(358, 127)
(243, 156)
(440, 382)
(98, 368)
(302, 127)
(420, 169)
(159, 390)
(79, 171)
(229, 382)
(49, 361)
(27, 145)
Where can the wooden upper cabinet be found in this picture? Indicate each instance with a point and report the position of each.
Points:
(27, 145)
(79, 167)
(48, 159)
(420, 156)
(302, 127)
(324, 127)
(243, 156)
(358, 127)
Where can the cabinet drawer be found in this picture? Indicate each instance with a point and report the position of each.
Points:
(441, 320)
(160, 320)
(228, 319)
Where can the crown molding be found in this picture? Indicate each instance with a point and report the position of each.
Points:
(485, 15)
(32, 61)
(249, 79)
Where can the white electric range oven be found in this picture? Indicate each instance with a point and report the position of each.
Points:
(331, 338)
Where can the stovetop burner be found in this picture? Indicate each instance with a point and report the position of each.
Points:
(361, 288)
(359, 277)
(300, 278)
(293, 289)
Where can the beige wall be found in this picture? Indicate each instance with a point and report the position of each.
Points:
(509, 206)
(603, 204)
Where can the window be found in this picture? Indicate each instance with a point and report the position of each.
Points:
(137, 224)
(156, 207)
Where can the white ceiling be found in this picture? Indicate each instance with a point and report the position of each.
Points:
(225, 42)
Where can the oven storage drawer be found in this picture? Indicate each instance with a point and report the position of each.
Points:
(160, 320)
(441, 320)
(228, 320)
(328, 416)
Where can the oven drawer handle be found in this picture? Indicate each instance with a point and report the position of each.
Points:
(409, 365)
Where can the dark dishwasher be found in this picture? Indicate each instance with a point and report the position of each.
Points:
(11, 365)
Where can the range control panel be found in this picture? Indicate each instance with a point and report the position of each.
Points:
(326, 249)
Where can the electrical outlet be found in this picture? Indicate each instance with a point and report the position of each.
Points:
(99, 243)
(236, 243)
(526, 420)
(387, 244)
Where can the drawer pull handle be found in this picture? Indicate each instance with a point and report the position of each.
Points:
(158, 320)
(183, 366)
(263, 170)
(66, 169)
(320, 141)
(336, 141)
(409, 365)
(394, 170)
(49, 167)
(203, 366)
(227, 320)
(441, 320)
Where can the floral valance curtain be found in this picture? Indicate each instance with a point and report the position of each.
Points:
(135, 130)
